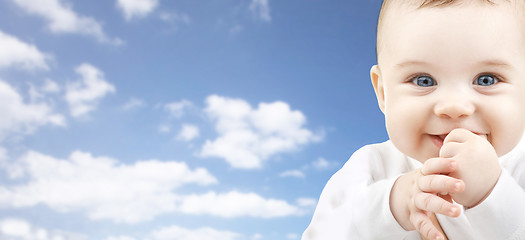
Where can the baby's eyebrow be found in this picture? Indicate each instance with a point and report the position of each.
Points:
(410, 63)
(496, 63)
(491, 62)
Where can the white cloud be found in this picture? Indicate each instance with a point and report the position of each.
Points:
(17, 229)
(133, 103)
(50, 86)
(34, 94)
(175, 17)
(21, 118)
(83, 95)
(62, 19)
(292, 236)
(248, 136)
(101, 187)
(256, 236)
(120, 238)
(174, 20)
(15, 53)
(179, 233)
(163, 128)
(177, 109)
(323, 164)
(40, 93)
(188, 132)
(307, 202)
(175, 232)
(3, 154)
(261, 10)
(236, 204)
(293, 173)
(136, 8)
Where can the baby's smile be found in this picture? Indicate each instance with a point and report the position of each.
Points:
(438, 139)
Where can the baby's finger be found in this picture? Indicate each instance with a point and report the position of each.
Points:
(458, 135)
(424, 226)
(439, 166)
(432, 203)
(450, 149)
(440, 184)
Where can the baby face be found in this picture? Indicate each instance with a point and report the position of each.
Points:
(460, 66)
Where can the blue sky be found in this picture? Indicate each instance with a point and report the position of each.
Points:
(154, 119)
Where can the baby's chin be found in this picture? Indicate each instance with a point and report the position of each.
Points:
(421, 153)
(422, 157)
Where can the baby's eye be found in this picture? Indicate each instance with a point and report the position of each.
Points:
(486, 80)
(424, 81)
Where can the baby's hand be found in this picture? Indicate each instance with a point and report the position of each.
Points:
(478, 165)
(415, 197)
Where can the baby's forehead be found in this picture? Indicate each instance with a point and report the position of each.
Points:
(392, 8)
(389, 6)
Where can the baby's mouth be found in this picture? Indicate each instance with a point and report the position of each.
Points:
(438, 140)
(442, 136)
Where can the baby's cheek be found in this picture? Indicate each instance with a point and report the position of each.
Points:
(504, 142)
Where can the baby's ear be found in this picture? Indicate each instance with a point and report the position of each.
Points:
(377, 82)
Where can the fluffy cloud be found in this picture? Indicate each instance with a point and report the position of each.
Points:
(236, 204)
(177, 109)
(50, 86)
(307, 202)
(293, 173)
(120, 238)
(19, 117)
(3, 154)
(292, 236)
(17, 229)
(62, 19)
(175, 17)
(323, 164)
(83, 95)
(188, 132)
(100, 186)
(179, 233)
(42, 92)
(133, 103)
(136, 8)
(256, 236)
(164, 128)
(261, 10)
(248, 136)
(14, 52)
(103, 188)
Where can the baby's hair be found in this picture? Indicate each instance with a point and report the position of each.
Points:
(418, 4)
(438, 3)
(422, 4)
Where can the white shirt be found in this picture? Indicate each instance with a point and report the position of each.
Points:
(355, 202)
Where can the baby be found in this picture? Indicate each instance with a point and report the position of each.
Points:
(450, 81)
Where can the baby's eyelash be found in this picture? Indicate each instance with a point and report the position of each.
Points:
(487, 79)
(412, 77)
(497, 76)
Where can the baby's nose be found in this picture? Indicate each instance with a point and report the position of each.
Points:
(454, 107)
